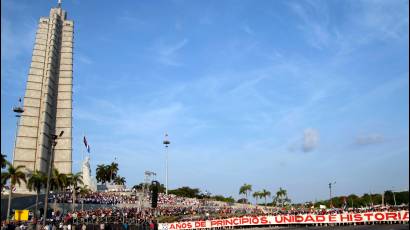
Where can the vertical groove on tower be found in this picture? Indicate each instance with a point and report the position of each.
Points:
(63, 157)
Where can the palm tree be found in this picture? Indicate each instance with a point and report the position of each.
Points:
(3, 161)
(16, 176)
(282, 196)
(84, 190)
(113, 169)
(58, 180)
(118, 180)
(75, 180)
(3, 165)
(36, 181)
(245, 189)
(107, 173)
(100, 173)
(265, 193)
(257, 195)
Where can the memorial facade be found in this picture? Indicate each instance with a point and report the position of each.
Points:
(48, 97)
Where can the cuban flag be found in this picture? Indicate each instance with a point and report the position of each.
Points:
(87, 146)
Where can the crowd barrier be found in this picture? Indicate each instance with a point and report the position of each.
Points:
(307, 219)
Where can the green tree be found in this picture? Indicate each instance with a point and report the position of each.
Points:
(138, 187)
(16, 176)
(388, 197)
(161, 188)
(353, 200)
(402, 197)
(223, 199)
(336, 201)
(282, 197)
(141, 186)
(3, 166)
(118, 180)
(58, 181)
(102, 173)
(257, 195)
(245, 189)
(75, 180)
(113, 170)
(84, 190)
(265, 193)
(107, 173)
(36, 182)
(366, 199)
(3, 161)
(186, 192)
(376, 198)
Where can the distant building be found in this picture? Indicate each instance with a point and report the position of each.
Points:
(48, 97)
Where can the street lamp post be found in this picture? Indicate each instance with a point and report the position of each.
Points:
(18, 110)
(371, 200)
(166, 143)
(330, 192)
(50, 168)
(394, 196)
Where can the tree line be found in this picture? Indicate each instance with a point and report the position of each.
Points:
(109, 173)
(280, 197)
(388, 197)
(37, 180)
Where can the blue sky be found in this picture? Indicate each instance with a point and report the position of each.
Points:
(290, 94)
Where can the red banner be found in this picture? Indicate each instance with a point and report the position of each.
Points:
(289, 219)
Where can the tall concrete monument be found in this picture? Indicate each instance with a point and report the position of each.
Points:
(48, 97)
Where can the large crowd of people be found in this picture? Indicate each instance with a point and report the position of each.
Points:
(95, 198)
(172, 208)
(182, 208)
(124, 198)
(173, 200)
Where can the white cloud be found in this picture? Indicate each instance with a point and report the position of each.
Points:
(369, 21)
(130, 19)
(369, 139)
(84, 59)
(315, 20)
(168, 54)
(173, 48)
(310, 139)
(385, 19)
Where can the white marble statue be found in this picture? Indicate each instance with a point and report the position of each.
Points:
(87, 179)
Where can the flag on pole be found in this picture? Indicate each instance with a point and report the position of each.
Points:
(87, 146)
(85, 142)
